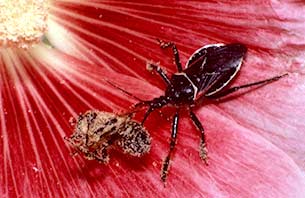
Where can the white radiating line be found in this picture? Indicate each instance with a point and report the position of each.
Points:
(33, 142)
(83, 88)
(123, 29)
(4, 136)
(37, 68)
(76, 73)
(67, 41)
(44, 109)
(63, 40)
(23, 105)
(38, 102)
(78, 42)
(109, 41)
(52, 87)
(84, 78)
(42, 104)
(30, 131)
(9, 67)
(114, 59)
(200, 15)
(90, 20)
(118, 4)
(97, 96)
(55, 91)
(23, 101)
(78, 96)
(118, 10)
(9, 62)
(179, 16)
(102, 23)
(64, 68)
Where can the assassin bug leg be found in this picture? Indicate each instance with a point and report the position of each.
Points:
(203, 152)
(234, 89)
(150, 109)
(166, 163)
(164, 45)
(151, 66)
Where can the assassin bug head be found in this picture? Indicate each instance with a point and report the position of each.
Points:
(151, 104)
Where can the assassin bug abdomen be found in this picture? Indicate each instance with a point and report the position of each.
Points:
(212, 67)
(206, 75)
(208, 70)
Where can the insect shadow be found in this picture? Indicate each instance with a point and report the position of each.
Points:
(205, 77)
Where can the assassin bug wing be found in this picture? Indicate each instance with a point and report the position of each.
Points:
(212, 67)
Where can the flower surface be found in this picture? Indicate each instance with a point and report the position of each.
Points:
(255, 137)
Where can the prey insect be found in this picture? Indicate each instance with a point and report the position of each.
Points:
(206, 76)
(96, 131)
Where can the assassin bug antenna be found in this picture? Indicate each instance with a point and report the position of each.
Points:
(137, 106)
(124, 91)
(155, 103)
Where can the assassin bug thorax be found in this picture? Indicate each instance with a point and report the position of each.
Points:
(207, 72)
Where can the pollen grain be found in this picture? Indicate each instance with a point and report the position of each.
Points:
(22, 22)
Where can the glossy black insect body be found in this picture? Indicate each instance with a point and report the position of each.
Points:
(206, 75)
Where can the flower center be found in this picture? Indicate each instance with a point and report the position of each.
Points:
(22, 22)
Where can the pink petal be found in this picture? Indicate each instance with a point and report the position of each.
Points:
(247, 158)
(240, 160)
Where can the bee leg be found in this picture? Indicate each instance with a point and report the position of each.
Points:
(166, 162)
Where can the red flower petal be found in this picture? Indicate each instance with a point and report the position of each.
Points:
(39, 97)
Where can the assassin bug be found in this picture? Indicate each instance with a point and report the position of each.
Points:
(96, 131)
(206, 75)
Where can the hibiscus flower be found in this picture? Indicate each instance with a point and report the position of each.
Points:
(57, 55)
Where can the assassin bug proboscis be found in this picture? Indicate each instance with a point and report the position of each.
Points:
(206, 75)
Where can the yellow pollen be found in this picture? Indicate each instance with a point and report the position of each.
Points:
(22, 22)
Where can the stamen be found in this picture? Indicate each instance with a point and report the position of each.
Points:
(22, 22)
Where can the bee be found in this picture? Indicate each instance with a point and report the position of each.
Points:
(96, 131)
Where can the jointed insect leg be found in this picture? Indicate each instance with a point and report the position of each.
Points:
(234, 89)
(166, 163)
(175, 52)
(150, 109)
(203, 152)
(158, 69)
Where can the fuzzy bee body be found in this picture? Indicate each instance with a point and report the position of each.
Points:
(96, 131)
